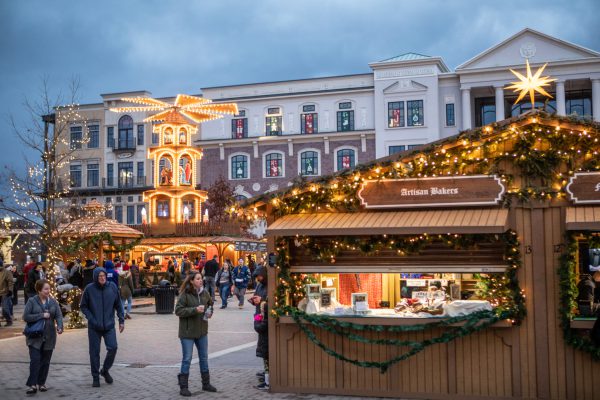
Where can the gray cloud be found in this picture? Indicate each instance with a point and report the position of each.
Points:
(169, 47)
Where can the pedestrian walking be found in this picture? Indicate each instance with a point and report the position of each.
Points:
(241, 277)
(210, 271)
(36, 274)
(224, 281)
(7, 285)
(126, 291)
(261, 325)
(87, 273)
(41, 307)
(99, 302)
(194, 308)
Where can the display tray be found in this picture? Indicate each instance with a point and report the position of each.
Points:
(391, 320)
(583, 323)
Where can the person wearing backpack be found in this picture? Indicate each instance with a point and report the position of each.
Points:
(41, 343)
(241, 277)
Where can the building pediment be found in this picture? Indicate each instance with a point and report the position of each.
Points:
(404, 85)
(527, 44)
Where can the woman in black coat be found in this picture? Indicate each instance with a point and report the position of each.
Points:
(42, 306)
(35, 275)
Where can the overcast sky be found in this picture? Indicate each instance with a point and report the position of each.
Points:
(169, 47)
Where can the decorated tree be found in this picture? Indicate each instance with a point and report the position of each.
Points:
(36, 191)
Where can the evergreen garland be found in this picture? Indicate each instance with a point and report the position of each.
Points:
(501, 289)
(569, 292)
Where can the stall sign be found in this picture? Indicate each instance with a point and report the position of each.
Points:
(474, 190)
(584, 188)
(250, 246)
(422, 296)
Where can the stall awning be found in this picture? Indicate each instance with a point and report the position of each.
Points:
(583, 218)
(396, 222)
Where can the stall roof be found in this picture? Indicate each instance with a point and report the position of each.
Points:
(398, 222)
(583, 218)
(194, 240)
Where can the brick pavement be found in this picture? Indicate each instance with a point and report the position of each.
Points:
(147, 361)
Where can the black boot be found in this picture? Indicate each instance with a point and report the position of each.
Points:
(206, 386)
(183, 385)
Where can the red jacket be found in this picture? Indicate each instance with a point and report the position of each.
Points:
(28, 268)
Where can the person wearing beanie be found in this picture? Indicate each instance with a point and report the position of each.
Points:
(261, 324)
(99, 302)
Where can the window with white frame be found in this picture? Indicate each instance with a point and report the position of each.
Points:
(345, 117)
(93, 175)
(309, 121)
(346, 158)
(76, 137)
(239, 125)
(309, 163)
(274, 121)
(395, 114)
(414, 113)
(75, 175)
(274, 165)
(239, 166)
(93, 136)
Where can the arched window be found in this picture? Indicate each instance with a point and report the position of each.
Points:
(165, 171)
(309, 163)
(239, 167)
(185, 170)
(182, 136)
(239, 197)
(273, 165)
(346, 158)
(126, 139)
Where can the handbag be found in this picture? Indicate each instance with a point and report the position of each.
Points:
(34, 330)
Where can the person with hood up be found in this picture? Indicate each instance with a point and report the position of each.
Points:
(99, 302)
(261, 324)
(126, 289)
(111, 273)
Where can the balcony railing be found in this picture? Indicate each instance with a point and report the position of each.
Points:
(128, 144)
(127, 183)
(230, 228)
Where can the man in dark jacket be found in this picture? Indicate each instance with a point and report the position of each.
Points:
(261, 324)
(99, 302)
(210, 271)
(6, 292)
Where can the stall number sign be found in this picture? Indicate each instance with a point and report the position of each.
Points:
(250, 246)
(474, 190)
(584, 188)
(416, 282)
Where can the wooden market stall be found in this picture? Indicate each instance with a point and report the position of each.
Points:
(500, 220)
(96, 237)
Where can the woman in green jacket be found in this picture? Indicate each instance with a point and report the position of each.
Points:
(194, 308)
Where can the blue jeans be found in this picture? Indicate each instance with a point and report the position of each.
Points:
(224, 291)
(209, 284)
(129, 302)
(187, 347)
(110, 341)
(7, 308)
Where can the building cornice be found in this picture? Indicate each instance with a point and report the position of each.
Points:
(294, 94)
(284, 139)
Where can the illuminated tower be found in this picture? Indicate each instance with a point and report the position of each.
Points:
(174, 198)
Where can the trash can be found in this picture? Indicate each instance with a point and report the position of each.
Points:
(164, 298)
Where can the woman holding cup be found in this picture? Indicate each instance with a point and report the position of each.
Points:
(194, 308)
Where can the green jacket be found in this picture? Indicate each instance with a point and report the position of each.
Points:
(191, 323)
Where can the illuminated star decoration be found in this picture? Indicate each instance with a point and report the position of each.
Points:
(194, 108)
(531, 84)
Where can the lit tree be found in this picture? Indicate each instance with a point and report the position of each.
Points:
(35, 194)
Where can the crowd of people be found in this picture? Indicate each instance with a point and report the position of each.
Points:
(108, 292)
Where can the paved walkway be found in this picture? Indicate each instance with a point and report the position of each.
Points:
(147, 360)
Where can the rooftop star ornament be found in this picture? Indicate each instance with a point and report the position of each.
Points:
(195, 108)
(531, 84)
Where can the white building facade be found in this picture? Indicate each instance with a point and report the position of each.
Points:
(318, 126)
